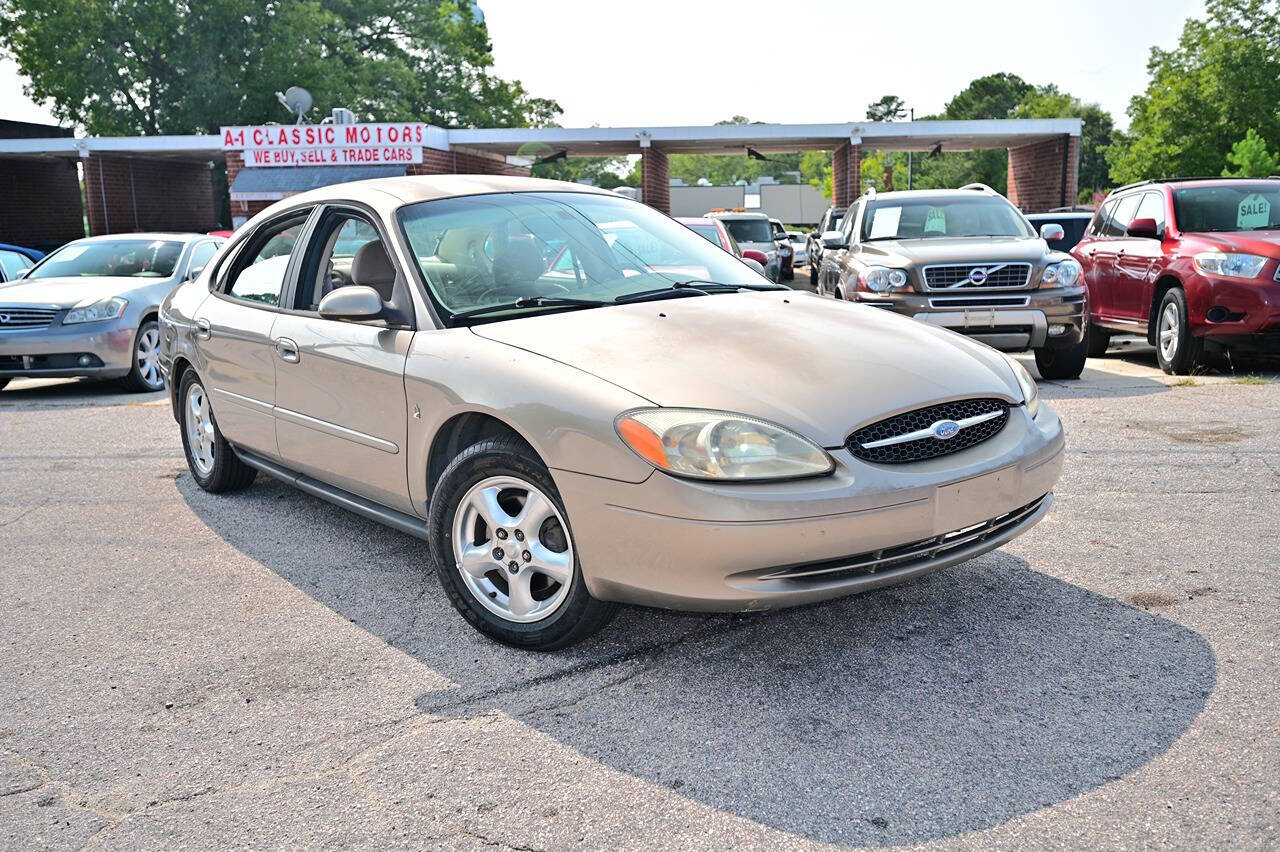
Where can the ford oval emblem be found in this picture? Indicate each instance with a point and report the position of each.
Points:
(945, 430)
(977, 275)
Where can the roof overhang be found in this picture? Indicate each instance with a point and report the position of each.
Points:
(615, 141)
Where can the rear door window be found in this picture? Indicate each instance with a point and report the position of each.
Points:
(258, 274)
(1152, 207)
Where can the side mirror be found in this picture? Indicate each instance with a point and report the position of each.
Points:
(24, 273)
(833, 240)
(814, 234)
(756, 255)
(352, 303)
(754, 264)
(1144, 229)
(1051, 232)
(193, 274)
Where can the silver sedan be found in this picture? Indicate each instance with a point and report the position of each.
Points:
(578, 402)
(90, 308)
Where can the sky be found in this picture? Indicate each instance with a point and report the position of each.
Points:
(674, 62)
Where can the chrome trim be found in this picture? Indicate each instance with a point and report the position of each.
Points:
(952, 302)
(337, 431)
(246, 401)
(927, 432)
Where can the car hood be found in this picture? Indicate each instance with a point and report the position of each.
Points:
(955, 250)
(820, 367)
(69, 292)
(1266, 243)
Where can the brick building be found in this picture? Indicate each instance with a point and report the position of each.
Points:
(168, 182)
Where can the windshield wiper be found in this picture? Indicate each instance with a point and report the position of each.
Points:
(693, 287)
(532, 302)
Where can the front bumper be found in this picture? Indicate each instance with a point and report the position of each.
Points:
(687, 545)
(1228, 311)
(57, 351)
(1009, 320)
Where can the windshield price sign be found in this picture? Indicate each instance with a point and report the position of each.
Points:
(326, 144)
(1254, 212)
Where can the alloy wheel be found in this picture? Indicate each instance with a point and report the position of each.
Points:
(147, 357)
(1170, 325)
(512, 548)
(200, 429)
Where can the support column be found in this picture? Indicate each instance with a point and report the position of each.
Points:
(655, 179)
(846, 174)
(1044, 175)
(126, 194)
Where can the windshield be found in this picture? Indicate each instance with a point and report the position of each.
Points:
(958, 216)
(485, 250)
(1236, 207)
(117, 258)
(750, 230)
(836, 219)
(708, 233)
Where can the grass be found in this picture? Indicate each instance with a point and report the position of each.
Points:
(1185, 382)
(1250, 380)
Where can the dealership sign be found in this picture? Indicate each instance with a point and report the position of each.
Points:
(327, 144)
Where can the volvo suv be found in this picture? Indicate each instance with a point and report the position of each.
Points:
(964, 259)
(1190, 264)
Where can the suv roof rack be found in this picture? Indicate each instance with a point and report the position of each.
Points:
(1150, 181)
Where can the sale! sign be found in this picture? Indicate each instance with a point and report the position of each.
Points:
(327, 144)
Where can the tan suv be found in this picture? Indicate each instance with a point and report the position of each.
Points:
(967, 260)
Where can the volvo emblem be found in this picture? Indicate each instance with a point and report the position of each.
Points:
(977, 275)
(945, 430)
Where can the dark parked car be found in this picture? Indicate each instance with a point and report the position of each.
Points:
(1189, 264)
(1073, 224)
(830, 223)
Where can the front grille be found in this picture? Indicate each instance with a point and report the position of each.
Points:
(990, 275)
(25, 318)
(979, 302)
(928, 447)
(905, 556)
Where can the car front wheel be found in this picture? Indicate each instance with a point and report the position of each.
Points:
(1065, 363)
(213, 463)
(503, 549)
(813, 279)
(1176, 350)
(144, 376)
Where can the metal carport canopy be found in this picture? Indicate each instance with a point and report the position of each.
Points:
(768, 138)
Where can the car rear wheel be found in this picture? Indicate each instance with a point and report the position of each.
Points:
(813, 279)
(1099, 339)
(144, 376)
(503, 549)
(1176, 350)
(213, 463)
(1065, 363)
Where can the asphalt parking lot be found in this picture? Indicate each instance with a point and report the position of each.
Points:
(181, 669)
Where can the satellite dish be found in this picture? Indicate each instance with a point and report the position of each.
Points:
(297, 100)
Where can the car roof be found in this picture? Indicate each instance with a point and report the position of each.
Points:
(147, 235)
(739, 215)
(414, 188)
(695, 220)
(924, 194)
(1077, 214)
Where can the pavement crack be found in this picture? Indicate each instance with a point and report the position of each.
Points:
(23, 514)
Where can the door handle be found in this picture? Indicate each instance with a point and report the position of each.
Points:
(203, 331)
(287, 350)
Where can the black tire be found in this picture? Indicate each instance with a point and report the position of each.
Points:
(1185, 352)
(813, 278)
(144, 376)
(576, 617)
(1098, 339)
(4, 382)
(228, 472)
(1065, 363)
(838, 293)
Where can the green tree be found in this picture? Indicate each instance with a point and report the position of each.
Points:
(1221, 79)
(888, 108)
(156, 66)
(1095, 136)
(608, 172)
(1251, 158)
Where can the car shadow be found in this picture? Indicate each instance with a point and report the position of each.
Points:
(70, 393)
(944, 706)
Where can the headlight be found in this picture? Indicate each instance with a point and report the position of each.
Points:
(1065, 273)
(104, 310)
(880, 279)
(720, 445)
(1030, 393)
(1229, 264)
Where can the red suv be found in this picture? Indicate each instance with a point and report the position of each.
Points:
(1188, 264)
